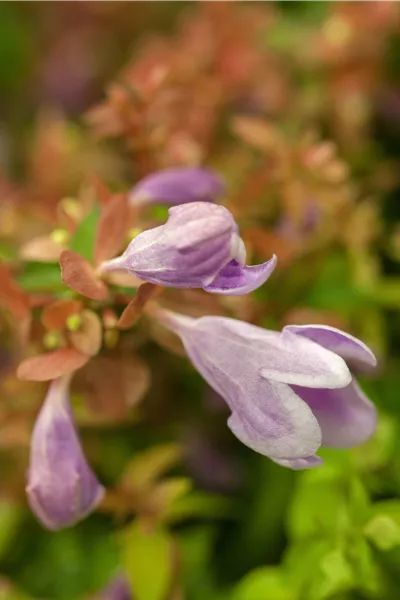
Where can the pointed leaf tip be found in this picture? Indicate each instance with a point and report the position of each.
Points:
(78, 274)
(112, 227)
(51, 365)
(132, 312)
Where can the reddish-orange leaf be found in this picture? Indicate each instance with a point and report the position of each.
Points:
(257, 132)
(113, 384)
(55, 315)
(78, 274)
(11, 296)
(112, 228)
(132, 312)
(51, 365)
(88, 338)
(102, 192)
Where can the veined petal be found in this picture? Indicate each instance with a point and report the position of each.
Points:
(267, 416)
(178, 186)
(62, 489)
(235, 280)
(352, 350)
(346, 416)
(239, 348)
(272, 420)
(299, 464)
(188, 251)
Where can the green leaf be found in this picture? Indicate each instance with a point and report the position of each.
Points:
(10, 517)
(41, 277)
(387, 292)
(334, 289)
(83, 240)
(147, 558)
(318, 508)
(384, 530)
(359, 504)
(200, 504)
(337, 575)
(149, 465)
(364, 567)
(263, 583)
(196, 546)
(302, 560)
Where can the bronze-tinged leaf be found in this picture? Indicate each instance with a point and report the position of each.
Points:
(78, 274)
(88, 338)
(51, 365)
(55, 315)
(132, 312)
(112, 228)
(148, 466)
(266, 242)
(113, 384)
(41, 249)
(11, 295)
(103, 194)
(257, 133)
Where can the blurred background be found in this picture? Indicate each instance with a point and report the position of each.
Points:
(297, 106)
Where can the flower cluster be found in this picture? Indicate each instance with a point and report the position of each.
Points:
(289, 392)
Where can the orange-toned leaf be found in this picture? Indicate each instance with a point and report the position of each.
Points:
(89, 336)
(79, 275)
(41, 249)
(266, 242)
(112, 227)
(11, 295)
(132, 312)
(102, 192)
(257, 133)
(113, 384)
(51, 365)
(55, 315)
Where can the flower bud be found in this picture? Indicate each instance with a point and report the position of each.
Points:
(62, 489)
(178, 186)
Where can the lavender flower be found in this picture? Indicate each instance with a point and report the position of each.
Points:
(117, 589)
(289, 392)
(178, 186)
(198, 247)
(62, 488)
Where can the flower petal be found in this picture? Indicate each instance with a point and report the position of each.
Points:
(178, 186)
(239, 348)
(352, 350)
(346, 417)
(235, 280)
(188, 251)
(298, 464)
(267, 416)
(62, 489)
(273, 421)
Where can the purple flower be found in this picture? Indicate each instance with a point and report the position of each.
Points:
(62, 488)
(178, 186)
(289, 392)
(198, 247)
(117, 589)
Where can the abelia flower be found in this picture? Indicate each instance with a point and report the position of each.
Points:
(178, 186)
(62, 489)
(289, 392)
(117, 589)
(198, 247)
